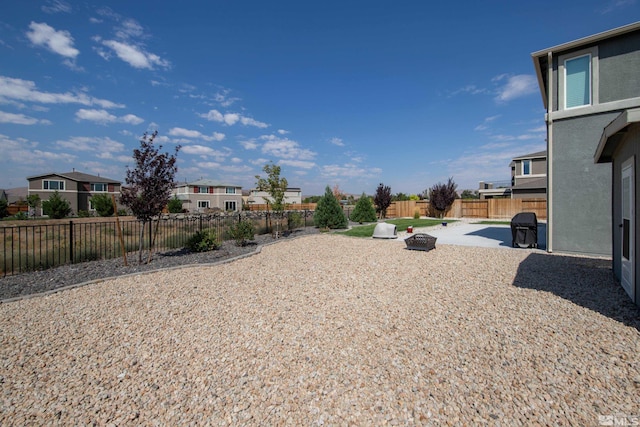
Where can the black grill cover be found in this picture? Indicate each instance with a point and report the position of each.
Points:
(524, 229)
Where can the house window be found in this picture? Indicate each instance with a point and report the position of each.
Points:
(526, 167)
(577, 81)
(231, 190)
(99, 187)
(203, 204)
(204, 190)
(230, 205)
(53, 185)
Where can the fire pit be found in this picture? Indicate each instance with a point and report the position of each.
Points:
(421, 242)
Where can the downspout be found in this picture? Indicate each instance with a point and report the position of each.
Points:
(550, 152)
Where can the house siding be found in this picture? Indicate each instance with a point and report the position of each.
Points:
(581, 214)
(619, 64)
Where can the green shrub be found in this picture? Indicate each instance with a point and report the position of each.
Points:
(294, 220)
(56, 207)
(203, 241)
(416, 214)
(4, 208)
(329, 213)
(242, 231)
(103, 204)
(21, 216)
(174, 205)
(122, 212)
(83, 214)
(364, 210)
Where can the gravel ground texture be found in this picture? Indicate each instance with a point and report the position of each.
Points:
(330, 330)
(36, 282)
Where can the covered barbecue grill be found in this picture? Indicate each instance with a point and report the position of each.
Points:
(524, 230)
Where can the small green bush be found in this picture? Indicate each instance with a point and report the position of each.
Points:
(203, 241)
(328, 213)
(56, 207)
(83, 214)
(242, 231)
(21, 216)
(174, 205)
(4, 208)
(364, 210)
(294, 220)
(103, 204)
(416, 214)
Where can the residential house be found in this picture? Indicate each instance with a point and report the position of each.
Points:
(204, 195)
(585, 85)
(528, 180)
(529, 176)
(75, 187)
(292, 195)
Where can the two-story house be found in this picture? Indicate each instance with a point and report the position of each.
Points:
(591, 90)
(529, 176)
(204, 195)
(75, 187)
(528, 180)
(585, 84)
(292, 196)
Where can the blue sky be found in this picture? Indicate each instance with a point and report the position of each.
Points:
(347, 93)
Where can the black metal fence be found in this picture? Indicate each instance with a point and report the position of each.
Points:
(40, 246)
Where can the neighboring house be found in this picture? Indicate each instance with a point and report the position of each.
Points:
(75, 187)
(620, 146)
(529, 176)
(528, 180)
(585, 85)
(204, 195)
(494, 190)
(14, 196)
(292, 195)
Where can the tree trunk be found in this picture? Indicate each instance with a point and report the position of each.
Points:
(140, 246)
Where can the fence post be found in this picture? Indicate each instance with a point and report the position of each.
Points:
(71, 241)
(200, 223)
(150, 232)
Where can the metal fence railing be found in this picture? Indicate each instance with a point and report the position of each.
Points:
(28, 247)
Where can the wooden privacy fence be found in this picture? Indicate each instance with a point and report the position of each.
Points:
(470, 208)
(287, 207)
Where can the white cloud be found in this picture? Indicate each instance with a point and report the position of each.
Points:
(232, 118)
(20, 119)
(337, 141)
(84, 143)
(56, 6)
(297, 164)
(134, 55)
(249, 144)
(194, 134)
(59, 42)
(285, 148)
(515, 86)
(104, 117)
(25, 90)
(349, 171)
(283, 132)
(21, 151)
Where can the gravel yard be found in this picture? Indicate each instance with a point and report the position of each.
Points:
(330, 330)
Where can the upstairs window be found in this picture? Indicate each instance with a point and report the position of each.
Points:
(526, 167)
(203, 190)
(231, 190)
(99, 187)
(577, 81)
(53, 185)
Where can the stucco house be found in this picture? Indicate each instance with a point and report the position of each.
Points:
(75, 187)
(529, 176)
(205, 194)
(585, 85)
(528, 180)
(293, 195)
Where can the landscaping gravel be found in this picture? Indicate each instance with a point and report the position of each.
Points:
(330, 330)
(36, 282)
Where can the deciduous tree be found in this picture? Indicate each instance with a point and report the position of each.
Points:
(382, 200)
(442, 196)
(149, 184)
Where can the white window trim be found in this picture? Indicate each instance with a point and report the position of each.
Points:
(64, 184)
(231, 201)
(595, 78)
(226, 190)
(207, 202)
(104, 184)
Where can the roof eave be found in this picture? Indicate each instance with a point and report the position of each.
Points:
(613, 133)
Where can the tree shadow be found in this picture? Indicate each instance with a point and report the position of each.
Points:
(588, 282)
